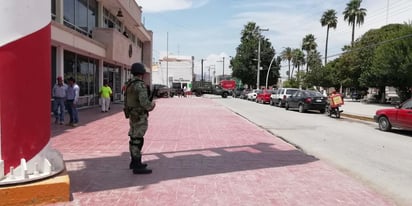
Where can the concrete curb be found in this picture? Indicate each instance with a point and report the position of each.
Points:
(51, 190)
(358, 117)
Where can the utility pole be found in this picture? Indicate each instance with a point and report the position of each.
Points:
(258, 66)
(193, 68)
(201, 69)
(167, 59)
(223, 61)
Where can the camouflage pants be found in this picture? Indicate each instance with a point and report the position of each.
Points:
(138, 127)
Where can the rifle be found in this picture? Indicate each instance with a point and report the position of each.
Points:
(151, 94)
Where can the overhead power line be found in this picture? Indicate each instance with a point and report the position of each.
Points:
(373, 45)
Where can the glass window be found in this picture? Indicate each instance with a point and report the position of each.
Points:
(111, 21)
(92, 15)
(84, 70)
(53, 9)
(81, 15)
(69, 13)
(111, 73)
(69, 64)
(82, 74)
(407, 105)
(291, 91)
(94, 78)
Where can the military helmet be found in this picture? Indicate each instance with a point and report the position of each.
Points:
(138, 68)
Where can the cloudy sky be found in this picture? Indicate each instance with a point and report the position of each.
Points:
(210, 29)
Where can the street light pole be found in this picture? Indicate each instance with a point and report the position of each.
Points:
(223, 61)
(214, 71)
(201, 69)
(223, 68)
(267, 75)
(167, 59)
(258, 66)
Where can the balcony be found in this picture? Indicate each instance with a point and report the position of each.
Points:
(118, 47)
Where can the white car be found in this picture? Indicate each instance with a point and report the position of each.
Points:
(273, 96)
(252, 95)
(279, 99)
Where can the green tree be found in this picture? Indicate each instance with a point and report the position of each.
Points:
(392, 61)
(291, 83)
(329, 20)
(354, 15)
(320, 76)
(287, 55)
(298, 59)
(314, 59)
(244, 65)
(309, 45)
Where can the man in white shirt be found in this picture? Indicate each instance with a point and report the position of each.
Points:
(59, 97)
(73, 91)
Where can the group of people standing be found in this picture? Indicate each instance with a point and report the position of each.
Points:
(66, 96)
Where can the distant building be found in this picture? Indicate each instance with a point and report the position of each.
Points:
(173, 71)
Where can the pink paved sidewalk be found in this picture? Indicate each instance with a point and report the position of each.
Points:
(201, 154)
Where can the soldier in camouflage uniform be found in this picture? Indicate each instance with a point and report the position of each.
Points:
(137, 108)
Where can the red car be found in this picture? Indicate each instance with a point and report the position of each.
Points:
(264, 96)
(399, 117)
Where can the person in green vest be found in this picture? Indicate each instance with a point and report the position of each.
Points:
(137, 106)
(105, 93)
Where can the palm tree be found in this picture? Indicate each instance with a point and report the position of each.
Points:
(329, 20)
(309, 44)
(298, 59)
(286, 54)
(354, 15)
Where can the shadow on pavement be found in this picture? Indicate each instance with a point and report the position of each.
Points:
(405, 133)
(86, 116)
(106, 173)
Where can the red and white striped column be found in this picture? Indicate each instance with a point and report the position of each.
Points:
(25, 65)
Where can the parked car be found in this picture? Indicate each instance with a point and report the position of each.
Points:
(279, 99)
(264, 96)
(399, 117)
(272, 97)
(252, 95)
(243, 94)
(355, 96)
(237, 92)
(304, 100)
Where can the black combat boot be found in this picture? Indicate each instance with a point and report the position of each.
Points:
(135, 164)
(140, 146)
(140, 168)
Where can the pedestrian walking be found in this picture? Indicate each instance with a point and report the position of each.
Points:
(105, 94)
(136, 108)
(73, 91)
(59, 97)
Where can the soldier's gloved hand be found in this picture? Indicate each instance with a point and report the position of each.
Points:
(153, 106)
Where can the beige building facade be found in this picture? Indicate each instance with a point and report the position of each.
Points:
(96, 40)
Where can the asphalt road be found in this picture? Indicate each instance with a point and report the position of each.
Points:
(382, 160)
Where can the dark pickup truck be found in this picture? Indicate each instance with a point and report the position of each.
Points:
(203, 87)
(163, 91)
